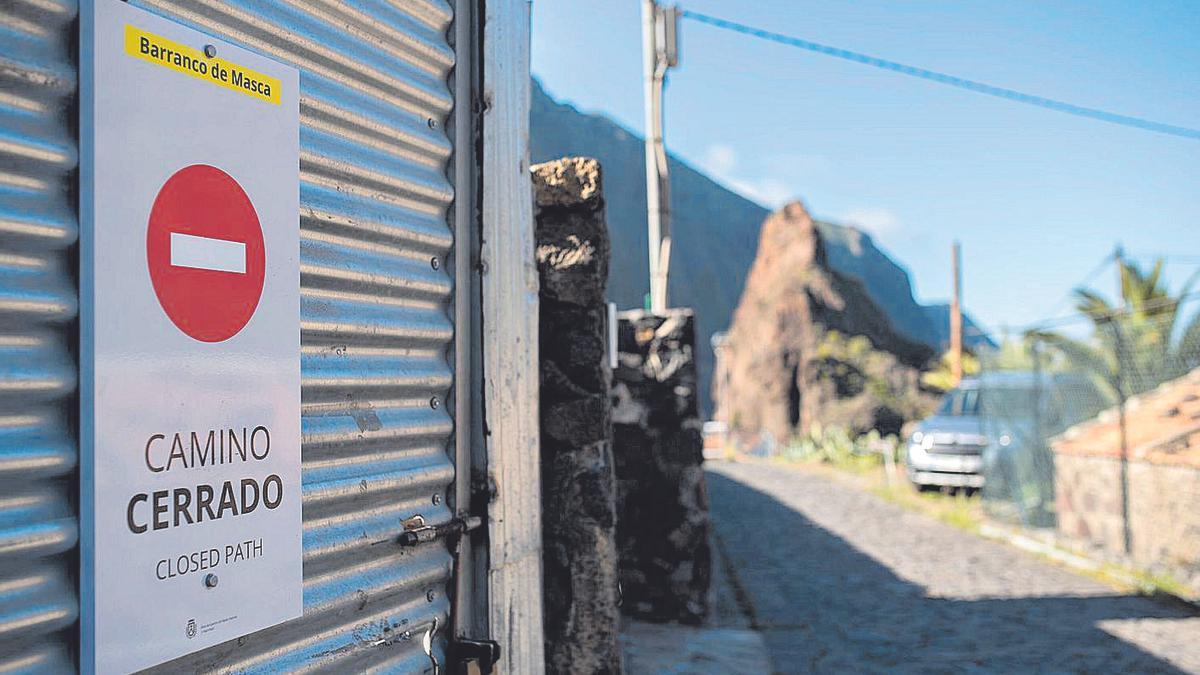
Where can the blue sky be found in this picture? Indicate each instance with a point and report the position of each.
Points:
(1037, 198)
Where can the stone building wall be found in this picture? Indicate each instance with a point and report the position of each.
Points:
(662, 501)
(578, 482)
(1088, 497)
(1164, 507)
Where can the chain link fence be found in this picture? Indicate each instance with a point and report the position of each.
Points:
(1096, 363)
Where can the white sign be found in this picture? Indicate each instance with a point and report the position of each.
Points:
(190, 340)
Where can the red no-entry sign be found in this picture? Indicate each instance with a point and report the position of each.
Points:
(189, 357)
(205, 253)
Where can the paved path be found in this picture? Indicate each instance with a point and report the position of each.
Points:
(841, 581)
(671, 649)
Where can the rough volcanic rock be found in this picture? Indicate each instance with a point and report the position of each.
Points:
(808, 345)
(662, 501)
(578, 481)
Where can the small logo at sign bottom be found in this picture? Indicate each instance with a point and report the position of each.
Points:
(191, 628)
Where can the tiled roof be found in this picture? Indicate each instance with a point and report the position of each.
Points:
(1163, 427)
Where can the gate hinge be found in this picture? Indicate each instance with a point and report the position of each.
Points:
(474, 657)
(417, 532)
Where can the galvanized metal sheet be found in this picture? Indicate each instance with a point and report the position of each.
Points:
(375, 328)
(38, 449)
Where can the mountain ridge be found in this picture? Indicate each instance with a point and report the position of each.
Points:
(709, 264)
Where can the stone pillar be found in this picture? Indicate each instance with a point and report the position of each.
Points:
(662, 501)
(578, 483)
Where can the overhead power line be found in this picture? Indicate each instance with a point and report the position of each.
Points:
(1180, 301)
(950, 80)
(1169, 257)
(1087, 279)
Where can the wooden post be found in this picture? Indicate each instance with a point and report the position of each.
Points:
(956, 335)
(1122, 396)
(509, 330)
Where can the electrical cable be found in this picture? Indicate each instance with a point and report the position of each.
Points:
(1087, 279)
(950, 80)
(1115, 313)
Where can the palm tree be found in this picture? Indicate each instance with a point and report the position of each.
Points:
(1133, 348)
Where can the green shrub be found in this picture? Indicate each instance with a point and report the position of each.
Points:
(835, 446)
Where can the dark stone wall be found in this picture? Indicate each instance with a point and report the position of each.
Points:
(578, 482)
(662, 501)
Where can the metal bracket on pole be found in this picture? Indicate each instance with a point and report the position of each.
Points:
(660, 51)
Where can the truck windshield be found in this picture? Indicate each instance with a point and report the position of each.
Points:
(1014, 403)
(960, 402)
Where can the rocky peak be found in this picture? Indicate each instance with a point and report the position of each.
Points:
(809, 346)
(790, 234)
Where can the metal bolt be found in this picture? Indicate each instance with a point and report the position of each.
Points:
(210, 51)
(211, 581)
(430, 595)
(435, 263)
(433, 124)
(434, 403)
(437, 499)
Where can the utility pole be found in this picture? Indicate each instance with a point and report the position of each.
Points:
(1119, 259)
(956, 333)
(660, 28)
(1119, 377)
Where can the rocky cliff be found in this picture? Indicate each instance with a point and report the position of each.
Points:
(716, 231)
(808, 344)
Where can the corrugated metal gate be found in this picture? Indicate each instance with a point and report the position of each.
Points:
(376, 330)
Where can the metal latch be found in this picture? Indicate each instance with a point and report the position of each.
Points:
(474, 657)
(417, 532)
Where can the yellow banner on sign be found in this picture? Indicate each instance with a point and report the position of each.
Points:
(189, 61)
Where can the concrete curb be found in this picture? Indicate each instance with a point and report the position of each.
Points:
(1081, 563)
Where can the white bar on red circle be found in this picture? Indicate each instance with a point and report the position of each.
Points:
(206, 253)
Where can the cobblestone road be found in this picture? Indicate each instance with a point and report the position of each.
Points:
(841, 581)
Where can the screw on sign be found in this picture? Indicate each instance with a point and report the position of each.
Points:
(205, 253)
